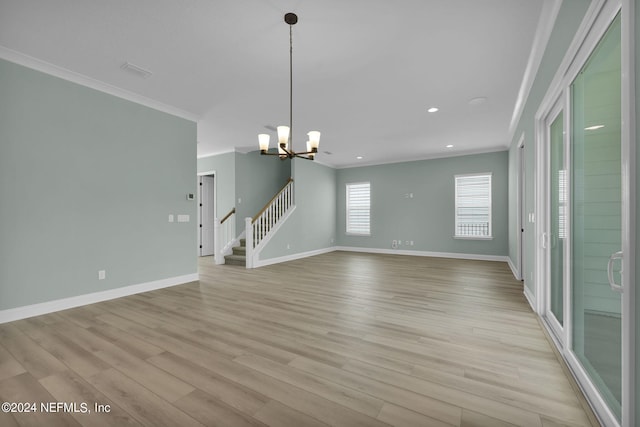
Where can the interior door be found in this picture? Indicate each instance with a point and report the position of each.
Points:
(596, 218)
(207, 215)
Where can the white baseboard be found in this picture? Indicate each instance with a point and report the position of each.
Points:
(24, 312)
(513, 268)
(270, 261)
(455, 255)
(530, 298)
(253, 260)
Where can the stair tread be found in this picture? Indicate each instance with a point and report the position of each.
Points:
(235, 256)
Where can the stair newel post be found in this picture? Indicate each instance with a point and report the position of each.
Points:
(249, 241)
(218, 256)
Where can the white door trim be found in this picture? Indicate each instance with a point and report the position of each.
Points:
(520, 194)
(629, 192)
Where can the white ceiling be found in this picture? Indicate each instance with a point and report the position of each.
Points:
(365, 71)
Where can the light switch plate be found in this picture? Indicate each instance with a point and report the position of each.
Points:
(183, 218)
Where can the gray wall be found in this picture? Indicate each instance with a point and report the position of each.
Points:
(312, 225)
(569, 19)
(258, 179)
(87, 181)
(224, 166)
(245, 181)
(428, 217)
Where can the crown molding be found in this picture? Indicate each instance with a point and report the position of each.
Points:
(71, 76)
(546, 22)
(428, 157)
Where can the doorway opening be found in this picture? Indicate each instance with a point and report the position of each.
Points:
(206, 214)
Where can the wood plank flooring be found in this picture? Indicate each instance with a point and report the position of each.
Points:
(341, 339)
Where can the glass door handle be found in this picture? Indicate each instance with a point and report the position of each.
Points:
(545, 240)
(614, 286)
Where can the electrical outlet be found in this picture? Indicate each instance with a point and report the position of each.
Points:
(288, 245)
(394, 244)
(170, 217)
(102, 274)
(411, 242)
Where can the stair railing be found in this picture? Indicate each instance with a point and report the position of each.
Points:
(259, 227)
(224, 235)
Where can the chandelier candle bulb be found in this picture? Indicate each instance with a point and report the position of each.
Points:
(283, 135)
(263, 141)
(311, 150)
(314, 141)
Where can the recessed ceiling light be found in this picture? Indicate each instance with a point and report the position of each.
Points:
(477, 101)
(450, 146)
(359, 157)
(433, 109)
(594, 127)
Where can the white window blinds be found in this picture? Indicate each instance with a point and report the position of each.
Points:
(473, 206)
(358, 208)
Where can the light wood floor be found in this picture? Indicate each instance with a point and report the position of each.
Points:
(342, 339)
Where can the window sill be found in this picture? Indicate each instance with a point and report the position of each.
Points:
(473, 237)
(358, 234)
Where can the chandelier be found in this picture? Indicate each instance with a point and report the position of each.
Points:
(285, 137)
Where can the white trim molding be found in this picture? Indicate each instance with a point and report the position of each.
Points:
(546, 22)
(530, 298)
(513, 268)
(630, 213)
(454, 255)
(292, 257)
(11, 314)
(71, 76)
(477, 257)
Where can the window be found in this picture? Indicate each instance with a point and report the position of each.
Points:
(358, 208)
(473, 206)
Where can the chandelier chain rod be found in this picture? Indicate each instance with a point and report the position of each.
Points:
(285, 149)
(291, 87)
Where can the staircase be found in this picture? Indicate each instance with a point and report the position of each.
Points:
(239, 255)
(258, 230)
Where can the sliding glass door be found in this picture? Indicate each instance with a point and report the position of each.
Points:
(581, 163)
(596, 217)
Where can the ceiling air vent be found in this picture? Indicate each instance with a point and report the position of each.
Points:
(138, 71)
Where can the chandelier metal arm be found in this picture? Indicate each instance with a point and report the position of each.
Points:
(307, 155)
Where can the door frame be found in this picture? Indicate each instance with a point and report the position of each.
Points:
(215, 193)
(598, 18)
(560, 332)
(520, 191)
